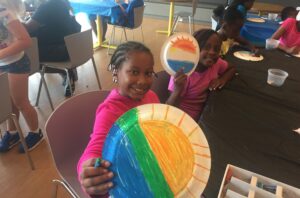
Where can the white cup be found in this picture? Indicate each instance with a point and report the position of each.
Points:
(271, 43)
(276, 77)
(272, 16)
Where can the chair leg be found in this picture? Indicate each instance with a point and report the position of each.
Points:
(63, 184)
(125, 34)
(175, 24)
(47, 92)
(40, 87)
(14, 117)
(69, 82)
(111, 40)
(97, 76)
(43, 81)
(193, 23)
(142, 33)
(190, 24)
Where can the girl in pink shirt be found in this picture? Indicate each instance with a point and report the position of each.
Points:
(289, 32)
(190, 93)
(132, 70)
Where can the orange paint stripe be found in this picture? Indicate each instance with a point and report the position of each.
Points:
(167, 111)
(202, 155)
(152, 112)
(199, 145)
(202, 167)
(180, 121)
(199, 179)
(193, 131)
(190, 192)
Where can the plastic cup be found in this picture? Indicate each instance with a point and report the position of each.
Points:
(272, 16)
(271, 43)
(276, 77)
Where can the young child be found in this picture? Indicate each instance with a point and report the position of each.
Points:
(132, 70)
(241, 5)
(190, 93)
(288, 33)
(125, 18)
(13, 40)
(230, 31)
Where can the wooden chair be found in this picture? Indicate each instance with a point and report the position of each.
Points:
(138, 20)
(33, 54)
(160, 86)
(80, 49)
(68, 131)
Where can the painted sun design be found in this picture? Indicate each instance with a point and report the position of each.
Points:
(184, 44)
(157, 150)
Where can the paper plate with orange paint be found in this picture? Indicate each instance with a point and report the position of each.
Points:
(157, 150)
(181, 50)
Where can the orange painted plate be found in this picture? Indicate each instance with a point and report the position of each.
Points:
(181, 50)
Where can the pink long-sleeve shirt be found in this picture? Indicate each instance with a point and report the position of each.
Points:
(291, 36)
(195, 91)
(107, 113)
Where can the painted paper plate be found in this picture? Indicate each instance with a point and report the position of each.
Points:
(181, 50)
(256, 20)
(248, 56)
(157, 150)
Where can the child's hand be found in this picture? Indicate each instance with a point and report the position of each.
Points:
(216, 84)
(293, 50)
(95, 180)
(179, 81)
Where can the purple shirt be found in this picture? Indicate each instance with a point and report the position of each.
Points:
(107, 113)
(195, 91)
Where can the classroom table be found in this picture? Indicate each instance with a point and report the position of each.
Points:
(257, 33)
(99, 8)
(263, 8)
(250, 124)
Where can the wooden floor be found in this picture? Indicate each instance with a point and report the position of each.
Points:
(16, 178)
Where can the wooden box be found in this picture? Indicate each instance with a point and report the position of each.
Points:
(240, 183)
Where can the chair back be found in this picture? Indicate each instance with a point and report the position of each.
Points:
(80, 47)
(138, 16)
(5, 104)
(33, 54)
(160, 86)
(68, 130)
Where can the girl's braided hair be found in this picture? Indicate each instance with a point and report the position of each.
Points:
(121, 53)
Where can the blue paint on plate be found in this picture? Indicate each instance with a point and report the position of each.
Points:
(128, 179)
(175, 65)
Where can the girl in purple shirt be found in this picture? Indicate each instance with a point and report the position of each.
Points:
(190, 93)
(132, 71)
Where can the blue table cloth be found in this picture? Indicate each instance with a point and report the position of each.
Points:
(257, 33)
(97, 7)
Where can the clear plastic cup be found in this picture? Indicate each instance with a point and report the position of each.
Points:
(276, 77)
(271, 43)
(272, 16)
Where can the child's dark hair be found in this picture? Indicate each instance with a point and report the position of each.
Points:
(219, 11)
(203, 35)
(287, 11)
(237, 2)
(232, 15)
(121, 53)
